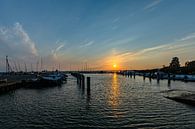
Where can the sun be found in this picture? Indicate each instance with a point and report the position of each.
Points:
(114, 66)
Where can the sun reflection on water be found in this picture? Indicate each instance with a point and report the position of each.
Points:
(114, 92)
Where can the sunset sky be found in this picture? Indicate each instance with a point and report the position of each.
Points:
(97, 34)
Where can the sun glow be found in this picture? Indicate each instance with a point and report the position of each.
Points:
(114, 66)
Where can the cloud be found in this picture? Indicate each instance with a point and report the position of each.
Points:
(89, 43)
(16, 41)
(115, 42)
(152, 5)
(154, 56)
(188, 37)
(25, 38)
(156, 48)
(17, 44)
(56, 50)
(59, 47)
(170, 49)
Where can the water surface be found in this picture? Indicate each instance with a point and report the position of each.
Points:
(114, 102)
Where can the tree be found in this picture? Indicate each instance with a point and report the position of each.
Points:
(187, 64)
(190, 64)
(174, 63)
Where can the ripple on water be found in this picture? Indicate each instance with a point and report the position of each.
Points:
(114, 102)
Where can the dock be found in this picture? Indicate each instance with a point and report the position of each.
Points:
(10, 82)
(8, 86)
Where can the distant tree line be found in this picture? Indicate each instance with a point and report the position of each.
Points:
(176, 68)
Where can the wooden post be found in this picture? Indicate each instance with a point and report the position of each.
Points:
(131, 74)
(80, 79)
(77, 80)
(169, 79)
(144, 77)
(158, 77)
(83, 81)
(150, 79)
(173, 77)
(88, 85)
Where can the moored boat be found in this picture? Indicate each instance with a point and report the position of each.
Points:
(47, 80)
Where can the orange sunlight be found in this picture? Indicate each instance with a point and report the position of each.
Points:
(114, 66)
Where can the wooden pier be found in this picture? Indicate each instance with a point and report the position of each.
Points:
(12, 82)
(8, 86)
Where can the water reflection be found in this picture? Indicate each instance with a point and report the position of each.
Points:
(115, 102)
(114, 92)
(169, 84)
(150, 79)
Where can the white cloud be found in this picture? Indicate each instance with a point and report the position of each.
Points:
(188, 37)
(168, 49)
(25, 38)
(17, 44)
(3, 31)
(152, 5)
(56, 50)
(156, 48)
(15, 39)
(59, 47)
(89, 43)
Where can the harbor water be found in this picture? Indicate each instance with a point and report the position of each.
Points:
(114, 101)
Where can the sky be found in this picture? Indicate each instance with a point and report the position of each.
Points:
(95, 34)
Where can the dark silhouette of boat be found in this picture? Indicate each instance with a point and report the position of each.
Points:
(47, 80)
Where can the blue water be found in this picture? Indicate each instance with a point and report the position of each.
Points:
(115, 101)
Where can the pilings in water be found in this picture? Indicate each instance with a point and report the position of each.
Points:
(169, 79)
(88, 85)
(80, 78)
(150, 75)
(144, 76)
(130, 74)
(81, 81)
(127, 73)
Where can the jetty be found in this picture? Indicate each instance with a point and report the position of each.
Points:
(14, 81)
(8, 86)
(159, 75)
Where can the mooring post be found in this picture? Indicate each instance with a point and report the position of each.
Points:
(150, 75)
(77, 79)
(158, 77)
(131, 74)
(80, 80)
(88, 85)
(150, 79)
(144, 76)
(169, 79)
(173, 77)
(83, 81)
